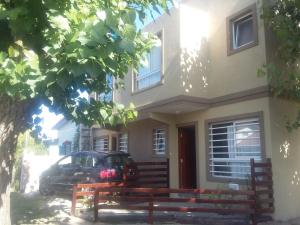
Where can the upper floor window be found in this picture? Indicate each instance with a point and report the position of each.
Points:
(231, 146)
(150, 73)
(159, 141)
(107, 96)
(242, 30)
(123, 142)
(101, 144)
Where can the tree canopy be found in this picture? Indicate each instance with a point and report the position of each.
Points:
(283, 72)
(52, 50)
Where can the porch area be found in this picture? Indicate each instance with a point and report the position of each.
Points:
(159, 204)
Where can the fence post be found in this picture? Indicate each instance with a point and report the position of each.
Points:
(96, 202)
(271, 204)
(168, 173)
(253, 187)
(150, 216)
(74, 199)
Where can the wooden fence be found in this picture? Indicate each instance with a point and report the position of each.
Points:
(153, 174)
(88, 190)
(254, 202)
(148, 199)
(262, 185)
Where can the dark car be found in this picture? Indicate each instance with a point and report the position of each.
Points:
(87, 167)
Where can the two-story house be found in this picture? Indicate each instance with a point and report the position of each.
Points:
(202, 105)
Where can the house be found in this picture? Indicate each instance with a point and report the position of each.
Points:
(66, 141)
(202, 105)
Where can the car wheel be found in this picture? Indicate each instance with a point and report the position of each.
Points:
(45, 189)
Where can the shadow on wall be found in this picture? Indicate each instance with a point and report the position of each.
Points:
(195, 64)
(285, 151)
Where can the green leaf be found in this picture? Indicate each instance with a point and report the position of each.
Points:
(127, 45)
(13, 52)
(130, 17)
(99, 32)
(103, 113)
(129, 31)
(63, 81)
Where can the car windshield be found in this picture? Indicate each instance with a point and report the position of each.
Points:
(115, 161)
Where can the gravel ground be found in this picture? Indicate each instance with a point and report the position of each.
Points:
(36, 209)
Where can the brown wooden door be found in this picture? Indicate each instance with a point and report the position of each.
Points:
(187, 157)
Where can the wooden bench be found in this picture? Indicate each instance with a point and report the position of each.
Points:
(202, 200)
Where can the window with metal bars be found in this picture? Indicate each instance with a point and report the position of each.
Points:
(101, 144)
(123, 142)
(159, 141)
(150, 73)
(231, 146)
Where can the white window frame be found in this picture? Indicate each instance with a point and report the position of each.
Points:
(251, 12)
(233, 155)
(156, 145)
(235, 32)
(104, 145)
(123, 142)
(137, 77)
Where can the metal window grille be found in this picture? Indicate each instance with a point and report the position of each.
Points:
(101, 144)
(159, 141)
(231, 146)
(123, 142)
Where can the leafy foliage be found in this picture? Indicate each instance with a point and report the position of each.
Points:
(283, 17)
(54, 49)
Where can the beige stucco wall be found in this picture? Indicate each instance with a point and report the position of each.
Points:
(286, 163)
(140, 142)
(169, 26)
(199, 117)
(230, 74)
(195, 60)
(282, 147)
(285, 159)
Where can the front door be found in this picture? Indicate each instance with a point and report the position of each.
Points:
(187, 157)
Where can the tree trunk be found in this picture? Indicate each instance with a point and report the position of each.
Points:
(13, 117)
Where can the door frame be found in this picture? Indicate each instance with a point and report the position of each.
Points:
(195, 125)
